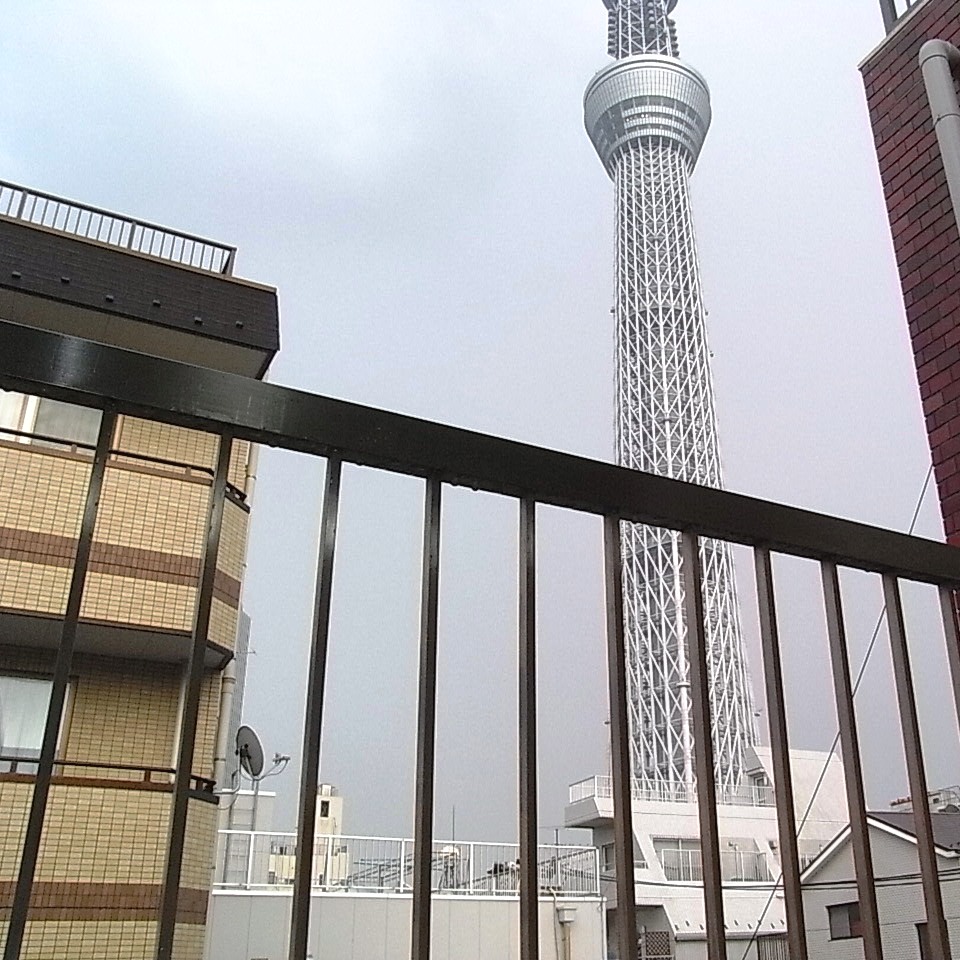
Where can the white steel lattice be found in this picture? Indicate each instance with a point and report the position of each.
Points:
(647, 116)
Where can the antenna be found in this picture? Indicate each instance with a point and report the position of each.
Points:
(250, 751)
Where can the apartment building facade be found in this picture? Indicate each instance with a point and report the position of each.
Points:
(99, 874)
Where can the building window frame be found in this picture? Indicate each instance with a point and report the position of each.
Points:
(844, 920)
(27, 763)
(25, 418)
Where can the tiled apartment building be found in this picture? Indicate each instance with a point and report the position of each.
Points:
(97, 885)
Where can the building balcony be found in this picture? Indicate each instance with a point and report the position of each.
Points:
(601, 788)
(145, 566)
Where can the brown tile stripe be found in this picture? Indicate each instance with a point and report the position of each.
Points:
(55, 900)
(109, 558)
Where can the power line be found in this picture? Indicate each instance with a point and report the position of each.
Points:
(836, 739)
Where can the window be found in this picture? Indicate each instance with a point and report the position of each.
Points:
(324, 808)
(11, 411)
(608, 858)
(923, 935)
(67, 421)
(50, 418)
(23, 713)
(844, 921)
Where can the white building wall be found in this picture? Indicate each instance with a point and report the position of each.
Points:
(254, 926)
(900, 904)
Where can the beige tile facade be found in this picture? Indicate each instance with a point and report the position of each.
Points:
(149, 536)
(102, 856)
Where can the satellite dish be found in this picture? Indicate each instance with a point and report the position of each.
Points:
(250, 751)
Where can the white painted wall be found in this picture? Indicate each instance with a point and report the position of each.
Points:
(245, 925)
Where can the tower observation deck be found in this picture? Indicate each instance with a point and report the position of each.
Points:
(647, 114)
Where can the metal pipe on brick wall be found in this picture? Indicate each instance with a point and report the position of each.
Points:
(940, 63)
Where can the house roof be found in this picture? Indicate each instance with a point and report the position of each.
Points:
(946, 835)
(946, 826)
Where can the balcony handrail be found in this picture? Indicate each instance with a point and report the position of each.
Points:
(204, 254)
(117, 454)
(749, 795)
(45, 363)
(737, 866)
(15, 760)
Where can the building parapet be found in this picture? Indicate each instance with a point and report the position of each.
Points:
(601, 787)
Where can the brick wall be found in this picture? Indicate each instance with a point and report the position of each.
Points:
(925, 237)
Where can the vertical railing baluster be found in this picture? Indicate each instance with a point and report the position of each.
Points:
(780, 749)
(58, 693)
(426, 725)
(190, 709)
(703, 744)
(948, 609)
(852, 767)
(910, 727)
(626, 915)
(527, 733)
(313, 714)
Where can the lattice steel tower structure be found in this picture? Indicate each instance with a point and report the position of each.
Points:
(647, 114)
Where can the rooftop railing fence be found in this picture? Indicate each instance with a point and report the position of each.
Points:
(258, 860)
(114, 229)
(232, 407)
(893, 10)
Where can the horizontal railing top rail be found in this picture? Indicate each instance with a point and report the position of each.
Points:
(114, 229)
(21, 764)
(80, 371)
(116, 455)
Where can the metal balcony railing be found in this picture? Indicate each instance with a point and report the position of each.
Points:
(23, 765)
(601, 787)
(238, 408)
(114, 229)
(893, 10)
(251, 860)
(736, 866)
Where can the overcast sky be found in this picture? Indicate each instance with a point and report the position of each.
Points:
(415, 179)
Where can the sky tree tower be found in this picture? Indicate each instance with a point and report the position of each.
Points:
(647, 114)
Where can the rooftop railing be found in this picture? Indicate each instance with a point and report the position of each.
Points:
(601, 787)
(114, 229)
(893, 10)
(258, 860)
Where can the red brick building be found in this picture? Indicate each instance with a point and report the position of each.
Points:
(924, 228)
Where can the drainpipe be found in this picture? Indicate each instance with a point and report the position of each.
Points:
(940, 62)
(565, 915)
(228, 683)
